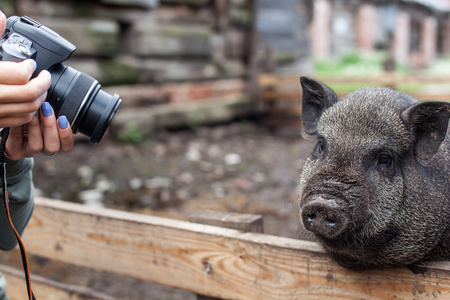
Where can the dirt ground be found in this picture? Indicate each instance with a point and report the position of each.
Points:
(239, 167)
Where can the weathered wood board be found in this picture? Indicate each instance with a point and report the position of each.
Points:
(215, 261)
(47, 289)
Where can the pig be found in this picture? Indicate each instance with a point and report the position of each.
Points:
(375, 191)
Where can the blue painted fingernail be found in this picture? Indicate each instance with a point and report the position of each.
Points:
(46, 109)
(62, 122)
(35, 65)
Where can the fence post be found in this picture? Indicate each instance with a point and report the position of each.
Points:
(243, 222)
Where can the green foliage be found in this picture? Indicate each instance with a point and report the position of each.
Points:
(132, 135)
(441, 66)
(195, 120)
(352, 64)
(117, 73)
(356, 64)
(353, 58)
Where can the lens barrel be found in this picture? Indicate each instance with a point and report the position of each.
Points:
(80, 98)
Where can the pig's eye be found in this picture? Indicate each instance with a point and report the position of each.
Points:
(385, 161)
(385, 164)
(319, 149)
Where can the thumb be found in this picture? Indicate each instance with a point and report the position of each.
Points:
(2, 22)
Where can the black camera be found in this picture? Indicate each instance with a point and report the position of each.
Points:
(72, 93)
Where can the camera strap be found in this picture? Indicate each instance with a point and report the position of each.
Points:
(4, 136)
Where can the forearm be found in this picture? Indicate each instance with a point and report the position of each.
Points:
(20, 193)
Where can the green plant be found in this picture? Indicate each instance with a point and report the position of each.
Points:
(131, 135)
(352, 63)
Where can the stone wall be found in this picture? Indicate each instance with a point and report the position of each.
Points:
(173, 62)
(149, 41)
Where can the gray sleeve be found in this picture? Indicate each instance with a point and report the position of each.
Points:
(21, 193)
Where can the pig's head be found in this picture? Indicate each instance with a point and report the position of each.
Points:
(368, 190)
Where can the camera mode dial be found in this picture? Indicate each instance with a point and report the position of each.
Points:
(17, 48)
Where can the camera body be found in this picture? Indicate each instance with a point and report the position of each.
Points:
(25, 38)
(72, 93)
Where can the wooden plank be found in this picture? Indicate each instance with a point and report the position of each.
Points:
(243, 222)
(45, 288)
(221, 15)
(427, 96)
(297, 96)
(282, 112)
(274, 80)
(281, 95)
(215, 261)
(279, 122)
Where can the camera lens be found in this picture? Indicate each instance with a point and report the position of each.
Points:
(79, 97)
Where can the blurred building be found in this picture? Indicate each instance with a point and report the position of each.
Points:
(282, 29)
(415, 32)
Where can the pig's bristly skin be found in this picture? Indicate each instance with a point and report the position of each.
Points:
(375, 191)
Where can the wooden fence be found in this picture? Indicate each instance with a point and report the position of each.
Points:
(281, 94)
(208, 260)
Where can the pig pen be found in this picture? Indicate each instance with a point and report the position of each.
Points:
(133, 239)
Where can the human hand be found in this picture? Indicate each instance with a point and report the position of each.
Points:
(31, 132)
(44, 134)
(20, 99)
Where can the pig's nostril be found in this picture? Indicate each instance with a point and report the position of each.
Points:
(311, 217)
(324, 217)
(331, 222)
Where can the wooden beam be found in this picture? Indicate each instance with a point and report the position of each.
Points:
(294, 96)
(242, 222)
(273, 80)
(282, 95)
(47, 289)
(214, 261)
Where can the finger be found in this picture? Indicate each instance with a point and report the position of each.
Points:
(13, 121)
(26, 92)
(12, 107)
(50, 133)
(15, 143)
(20, 110)
(65, 134)
(16, 73)
(34, 142)
(2, 22)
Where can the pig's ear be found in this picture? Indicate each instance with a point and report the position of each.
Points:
(316, 98)
(429, 122)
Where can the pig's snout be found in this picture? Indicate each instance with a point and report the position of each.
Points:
(324, 217)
